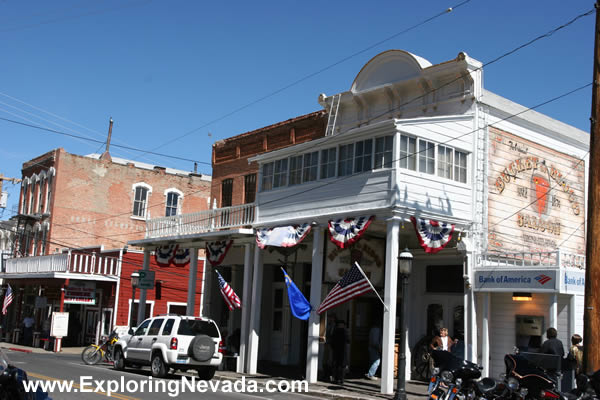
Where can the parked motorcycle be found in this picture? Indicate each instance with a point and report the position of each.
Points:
(454, 377)
(588, 386)
(94, 353)
(12, 381)
(525, 381)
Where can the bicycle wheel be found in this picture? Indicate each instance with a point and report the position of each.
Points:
(91, 355)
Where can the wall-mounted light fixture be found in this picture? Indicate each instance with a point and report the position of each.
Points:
(522, 296)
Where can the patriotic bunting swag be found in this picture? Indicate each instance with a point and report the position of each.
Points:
(344, 232)
(217, 251)
(231, 299)
(164, 254)
(171, 254)
(432, 235)
(283, 236)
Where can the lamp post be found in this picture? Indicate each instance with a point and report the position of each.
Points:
(134, 283)
(404, 268)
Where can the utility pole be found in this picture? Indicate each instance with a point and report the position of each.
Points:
(591, 313)
(3, 178)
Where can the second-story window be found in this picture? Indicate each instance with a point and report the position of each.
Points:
(30, 208)
(295, 170)
(40, 200)
(310, 167)
(426, 157)
(445, 161)
(140, 200)
(249, 188)
(363, 154)
(328, 159)
(408, 152)
(383, 152)
(346, 160)
(280, 173)
(172, 204)
(48, 192)
(227, 192)
(24, 197)
(267, 176)
(460, 166)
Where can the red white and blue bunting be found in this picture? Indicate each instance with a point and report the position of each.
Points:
(432, 235)
(181, 257)
(283, 236)
(164, 254)
(216, 251)
(345, 232)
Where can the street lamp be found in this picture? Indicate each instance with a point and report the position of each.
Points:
(135, 277)
(404, 267)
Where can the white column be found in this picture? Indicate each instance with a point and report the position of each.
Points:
(255, 311)
(312, 356)
(553, 311)
(389, 316)
(466, 308)
(571, 318)
(142, 302)
(246, 307)
(191, 296)
(485, 335)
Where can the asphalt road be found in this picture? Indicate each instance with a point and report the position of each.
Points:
(54, 369)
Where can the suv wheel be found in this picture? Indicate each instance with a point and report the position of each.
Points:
(206, 373)
(159, 370)
(202, 348)
(119, 361)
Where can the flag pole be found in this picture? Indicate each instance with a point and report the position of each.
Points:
(370, 284)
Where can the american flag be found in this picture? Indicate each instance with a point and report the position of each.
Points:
(353, 284)
(8, 298)
(231, 299)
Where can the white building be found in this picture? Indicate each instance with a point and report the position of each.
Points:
(411, 139)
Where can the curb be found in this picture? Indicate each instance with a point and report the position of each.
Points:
(17, 349)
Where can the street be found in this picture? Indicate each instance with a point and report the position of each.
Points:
(138, 383)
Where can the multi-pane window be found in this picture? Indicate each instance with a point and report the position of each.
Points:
(249, 188)
(139, 201)
(408, 152)
(267, 176)
(328, 158)
(24, 204)
(426, 157)
(346, 159)
(295, 170)
(363, 154)
(40, 195)
(280, 173)
(460, 166)
(48, 192)
(30, 198)
(227, 192)
(445, 161)
(310, 167)
(172, 204)
(383, 152)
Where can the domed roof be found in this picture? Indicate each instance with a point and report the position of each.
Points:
(389, 67)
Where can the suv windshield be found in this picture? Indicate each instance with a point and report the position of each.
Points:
(193, 327)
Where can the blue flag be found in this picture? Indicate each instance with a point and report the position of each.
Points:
(298, 304)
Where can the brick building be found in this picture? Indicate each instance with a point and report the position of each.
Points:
(76, 215)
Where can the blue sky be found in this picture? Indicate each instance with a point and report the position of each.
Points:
(171, 74)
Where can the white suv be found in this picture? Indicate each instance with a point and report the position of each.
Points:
(172, 341)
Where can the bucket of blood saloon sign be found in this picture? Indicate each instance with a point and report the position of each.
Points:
(80, 292)
(536, 197)
(368, 252)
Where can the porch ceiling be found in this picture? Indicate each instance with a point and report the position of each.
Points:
(197, 239)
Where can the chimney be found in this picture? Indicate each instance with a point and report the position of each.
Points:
(106, 154)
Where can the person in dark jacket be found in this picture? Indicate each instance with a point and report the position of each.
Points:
(552, 345)
(340, 341)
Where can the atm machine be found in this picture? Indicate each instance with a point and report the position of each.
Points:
(529, 332)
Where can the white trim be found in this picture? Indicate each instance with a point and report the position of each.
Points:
(179, 199)
(172, 303)
(143, 184)
(51, 171)
(146, 201)
(151, 302)
(175, 190)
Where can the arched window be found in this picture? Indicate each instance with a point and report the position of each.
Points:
(141, 192)
(40, 199)
(173, 200)
(24, 196)
(49, 183)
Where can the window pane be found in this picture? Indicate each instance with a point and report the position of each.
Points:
(172, 204)
(249, 188)
(383, 152)
(460, 167)
(280, 173)
(139, 202)
(363, 156)
(296, 170)
(227, 192)
(328, 158)
(445, 161)
(168, 327)
(310, 167)
(267, 177)
(155, 327)
(426, 157)
(346, 159)
(408, 150)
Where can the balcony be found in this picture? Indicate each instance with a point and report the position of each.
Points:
(202, 221)
(76, 263)
(556, 259)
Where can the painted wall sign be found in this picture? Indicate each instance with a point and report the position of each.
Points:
(572, 282)
(495, 280)
(80, 292)
(368, 252)
(536, 197)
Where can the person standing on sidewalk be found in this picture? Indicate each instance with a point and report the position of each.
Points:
(374, 350)
(339, 344)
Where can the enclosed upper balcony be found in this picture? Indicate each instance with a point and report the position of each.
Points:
(70, 264)
(201, 221)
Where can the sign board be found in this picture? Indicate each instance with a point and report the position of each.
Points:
(368, 252)
(572, 282)
(80, 292)
(146, 279)
(511, 280)
(60, 324)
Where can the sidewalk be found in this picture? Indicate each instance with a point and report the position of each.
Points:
(353, 388)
